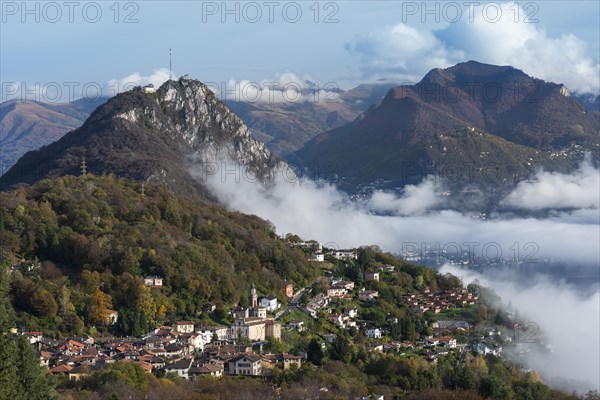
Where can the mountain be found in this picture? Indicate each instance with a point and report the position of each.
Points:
(457, 121)
(28, 125)
(160, 136)
(590, 101)
(285, 126)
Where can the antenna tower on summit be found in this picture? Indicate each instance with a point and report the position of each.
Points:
(170, 66)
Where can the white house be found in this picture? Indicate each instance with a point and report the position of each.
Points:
(447, 341)
(215, 370)
(153, 281)
(149, 88)
(196, 341)
(349, 285)
(34, 337)
(484, 349)
(336, 319)
(336, 291)
(184, 327)
(374, 333)
(366, 295)
(297, 325)
(208, 332)
(312, 310)
(269, 302)
(181, 367)
(245, 364)
(319, 257)
(372, 276)
(345, 255)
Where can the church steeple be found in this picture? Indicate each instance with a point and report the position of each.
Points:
(253, 297)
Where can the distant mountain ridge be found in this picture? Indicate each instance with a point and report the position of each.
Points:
(471, 116)
(28, 125)
(285, 126)
(159, 136)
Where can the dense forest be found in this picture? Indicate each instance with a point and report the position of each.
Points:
(79, 246)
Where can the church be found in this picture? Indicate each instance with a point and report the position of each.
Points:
(252, 322)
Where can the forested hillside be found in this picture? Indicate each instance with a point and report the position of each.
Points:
(95, 237)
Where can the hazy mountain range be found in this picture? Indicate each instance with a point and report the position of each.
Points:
(28, 125)
(478, 126)
(460, 122)
(285, 126)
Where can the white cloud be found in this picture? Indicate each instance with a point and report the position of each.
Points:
(415, 200)
(410, 51)
(284, 88)
(323, 213)
(157, 78)
(403, 51)
(568, 319)
(552, 190)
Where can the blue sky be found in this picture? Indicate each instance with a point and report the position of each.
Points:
(347, 42)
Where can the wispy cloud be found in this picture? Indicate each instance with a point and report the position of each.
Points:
(157, 78)
(409, 52)
(287, 87)
(552, 190)
(321, 212)
(415, 199)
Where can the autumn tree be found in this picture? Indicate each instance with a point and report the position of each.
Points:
(100, 304)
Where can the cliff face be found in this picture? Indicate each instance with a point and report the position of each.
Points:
(160, 136)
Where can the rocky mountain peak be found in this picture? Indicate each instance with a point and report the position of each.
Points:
(162, 134)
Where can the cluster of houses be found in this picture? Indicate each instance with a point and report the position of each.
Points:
(438, 301)
(338, 254)
(191, 351)
(339, 289)
(232, 360)
(77, 357)
(431, 348)
(182, 349)
(434, 346)
(316, 253)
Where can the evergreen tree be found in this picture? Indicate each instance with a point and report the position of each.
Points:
(8, 369)
(33, 385)
(341, 348)
(409, 331)
(21, 376)
(136, 327)
(314, 353)
(143, 324)
(465, 379)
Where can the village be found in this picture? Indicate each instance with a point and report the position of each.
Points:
(192, 350)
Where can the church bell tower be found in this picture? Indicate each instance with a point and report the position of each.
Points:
(253, 297)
